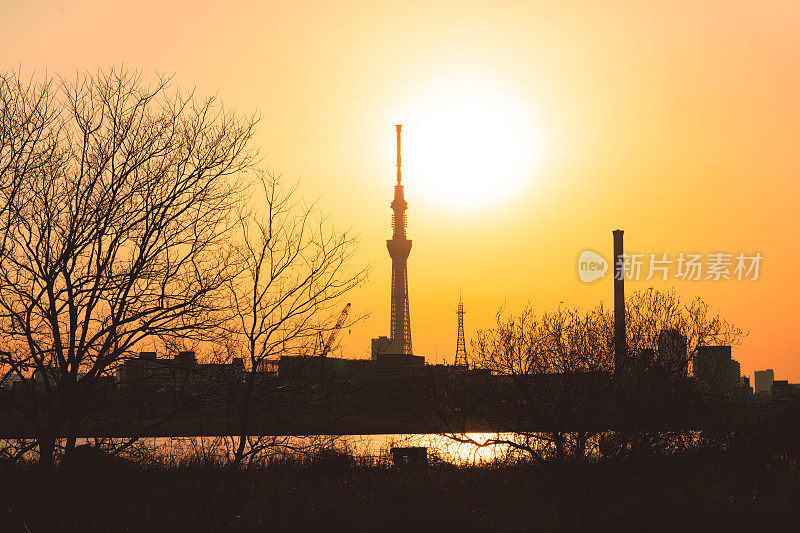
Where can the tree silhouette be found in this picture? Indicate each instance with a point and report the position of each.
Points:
(116, 199)
(552, 387)
(294, 270)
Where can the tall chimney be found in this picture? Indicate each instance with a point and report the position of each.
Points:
(620, 341)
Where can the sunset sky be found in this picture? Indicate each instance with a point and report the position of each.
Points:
(530, 130)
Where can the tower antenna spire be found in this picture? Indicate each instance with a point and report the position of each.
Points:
(398, 128)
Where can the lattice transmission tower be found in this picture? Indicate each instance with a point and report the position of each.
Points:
(461, 347)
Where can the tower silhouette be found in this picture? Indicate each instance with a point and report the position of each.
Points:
(399, 249)
(461, 348)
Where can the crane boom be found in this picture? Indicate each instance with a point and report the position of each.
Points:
(335, 330)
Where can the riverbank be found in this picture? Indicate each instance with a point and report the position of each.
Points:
(336, 492)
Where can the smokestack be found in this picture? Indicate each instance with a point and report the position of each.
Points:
(620, 341)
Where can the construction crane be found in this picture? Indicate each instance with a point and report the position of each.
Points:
(335, 330)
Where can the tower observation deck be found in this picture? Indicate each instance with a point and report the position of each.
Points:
(399, 249)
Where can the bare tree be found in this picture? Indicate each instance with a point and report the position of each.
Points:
(544, 367)
(116, 233)
(29, 132)
(552, 384)
(295, 269)
(651, 313)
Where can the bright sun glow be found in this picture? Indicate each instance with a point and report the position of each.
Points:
(469, 146)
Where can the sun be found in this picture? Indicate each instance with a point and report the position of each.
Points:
(469, 146)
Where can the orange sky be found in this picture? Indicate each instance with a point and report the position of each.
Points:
(678, 121)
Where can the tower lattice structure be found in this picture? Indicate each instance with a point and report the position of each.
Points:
(461, 347)
(399, 249)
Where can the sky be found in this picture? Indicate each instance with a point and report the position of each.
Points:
(531, 131)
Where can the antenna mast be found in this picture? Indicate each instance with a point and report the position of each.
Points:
(398, 128)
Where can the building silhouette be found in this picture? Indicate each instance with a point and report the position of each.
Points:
(672, 352)
(782, 390)
(148, 373)
(380, 345)
(746, 389)
(716, 373)
(763, 380)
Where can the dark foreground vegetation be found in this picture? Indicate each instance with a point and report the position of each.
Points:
(704, 489)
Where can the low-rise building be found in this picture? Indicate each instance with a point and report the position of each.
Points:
(763, 381)
(715, 372)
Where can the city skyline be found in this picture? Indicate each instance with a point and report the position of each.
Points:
(662, 122)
